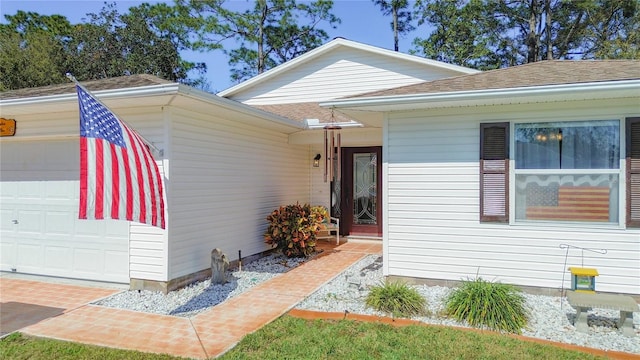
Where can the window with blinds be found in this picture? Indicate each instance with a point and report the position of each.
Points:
(564, 171)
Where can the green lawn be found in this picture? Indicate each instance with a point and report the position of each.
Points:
(293, 338)
(18, 346)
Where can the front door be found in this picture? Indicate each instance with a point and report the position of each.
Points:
(361, 191)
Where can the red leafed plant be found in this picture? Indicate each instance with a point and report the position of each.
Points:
(293, 229)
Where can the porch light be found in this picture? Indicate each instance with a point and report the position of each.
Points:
(316, 160)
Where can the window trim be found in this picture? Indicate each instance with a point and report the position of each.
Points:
(620, 171)
(623, 172)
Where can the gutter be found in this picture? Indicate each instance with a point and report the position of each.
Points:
(156, 90)
(151, 90)
(481, 95)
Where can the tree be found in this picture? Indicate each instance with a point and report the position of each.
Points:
(460, 35)
(270, 33)
(142, 41)
(38, 50)
(32, 50)
(400, 15)
(488, 34)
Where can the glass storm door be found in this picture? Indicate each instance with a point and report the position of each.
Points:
(362, 191)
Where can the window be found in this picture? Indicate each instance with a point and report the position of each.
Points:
(567, 171)
(564, 171)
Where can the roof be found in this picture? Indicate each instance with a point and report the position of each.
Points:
(330, 46)
(542, 73)
(120, 82)
(139, 91)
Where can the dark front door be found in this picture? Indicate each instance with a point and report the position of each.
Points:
(361, 191)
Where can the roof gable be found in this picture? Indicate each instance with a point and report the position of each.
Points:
(337, 69)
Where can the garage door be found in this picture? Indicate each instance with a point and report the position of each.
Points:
(40, 232)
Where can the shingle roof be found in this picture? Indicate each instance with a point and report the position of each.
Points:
(302, 111)
(550, 72)
(120, 82)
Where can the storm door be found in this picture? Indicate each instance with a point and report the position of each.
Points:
(361, 195)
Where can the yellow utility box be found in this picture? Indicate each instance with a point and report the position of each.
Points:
(583, 279)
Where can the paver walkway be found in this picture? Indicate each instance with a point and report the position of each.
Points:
(208, 334)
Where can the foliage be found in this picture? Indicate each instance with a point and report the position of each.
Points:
(488, 34)
(270, 33)
(397, 299)
(319, 214)
(401, 17)
(18, 347)
(139, 42)
(38, 50)
(292, 338)
(493, 305)
(293, 229)
(33, 50)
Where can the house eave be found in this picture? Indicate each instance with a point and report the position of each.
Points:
(152, 90)
(172, 94)
(519, 95)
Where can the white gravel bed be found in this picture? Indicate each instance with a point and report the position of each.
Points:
(202, 295)
(550, 317)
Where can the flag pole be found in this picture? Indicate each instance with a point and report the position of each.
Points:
(147, 142)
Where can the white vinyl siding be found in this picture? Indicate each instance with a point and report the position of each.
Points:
(226, 177)
(339, 73)
(433, 229)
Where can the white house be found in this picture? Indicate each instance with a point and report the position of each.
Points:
(341, 68)
(509, 174)
(226, 164)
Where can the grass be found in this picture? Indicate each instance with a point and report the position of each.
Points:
(18, 347)
(494, 305)
(397, 299)
(294, 338)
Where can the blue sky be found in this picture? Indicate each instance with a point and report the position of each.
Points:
(362, 21)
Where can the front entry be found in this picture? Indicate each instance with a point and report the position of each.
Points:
(361, 191)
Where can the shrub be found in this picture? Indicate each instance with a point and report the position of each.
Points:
(397, 299)
(293, 229)
(493, 305)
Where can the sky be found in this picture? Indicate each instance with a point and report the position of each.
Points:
(362, 21)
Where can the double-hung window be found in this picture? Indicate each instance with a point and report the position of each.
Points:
(566, 171)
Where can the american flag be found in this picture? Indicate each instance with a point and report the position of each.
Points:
(119, 179)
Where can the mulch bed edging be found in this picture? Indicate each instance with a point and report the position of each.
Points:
(321, 315)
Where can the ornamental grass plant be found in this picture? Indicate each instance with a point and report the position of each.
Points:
(396, 299)
(493, 305)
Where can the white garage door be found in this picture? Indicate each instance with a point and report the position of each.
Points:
(40, 232)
